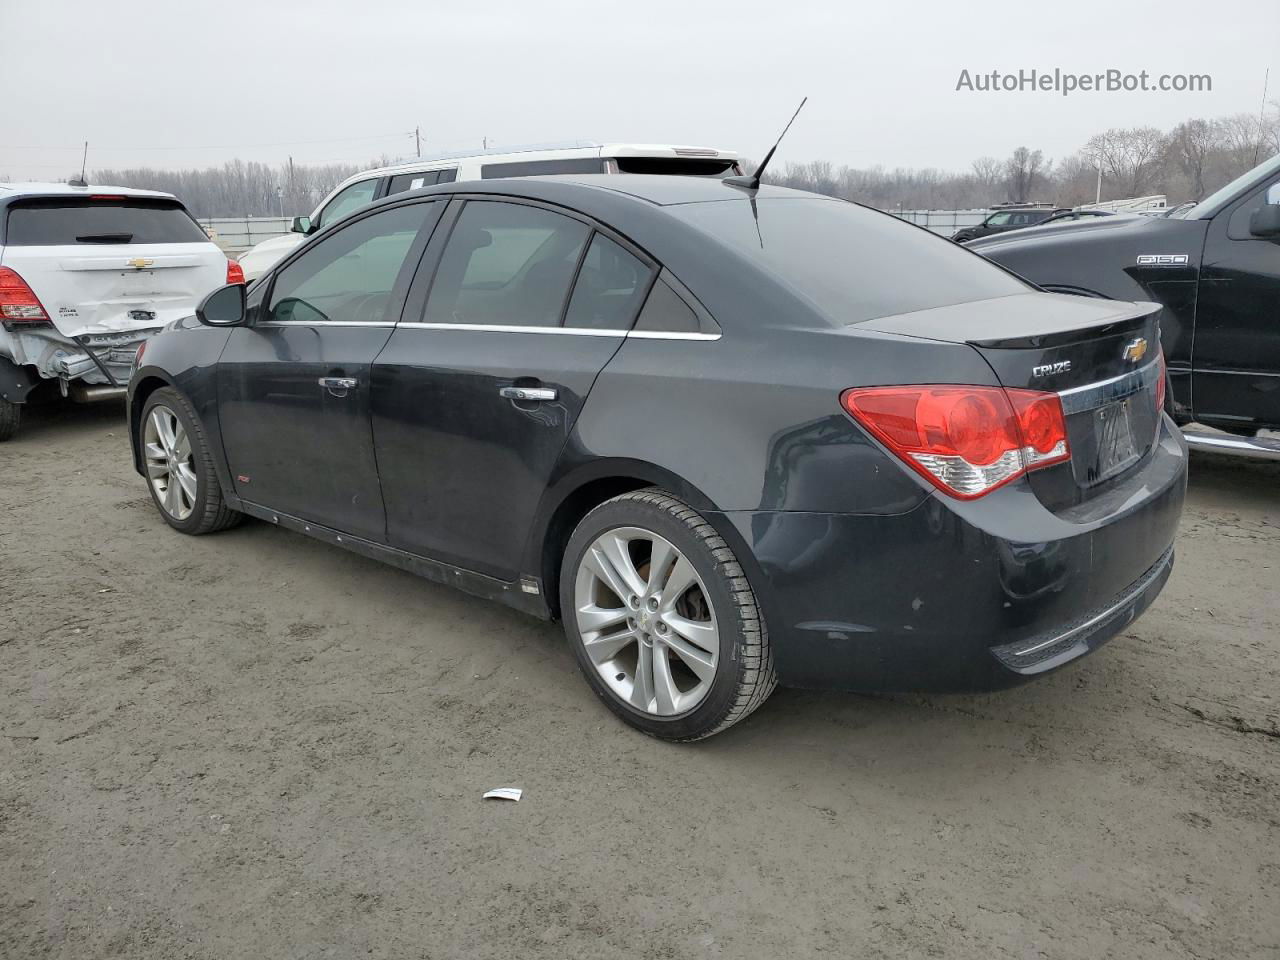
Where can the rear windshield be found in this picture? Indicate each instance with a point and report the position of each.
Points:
(854, 264)
(85, 220)
(677, 166)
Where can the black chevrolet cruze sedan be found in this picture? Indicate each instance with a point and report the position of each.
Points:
(730, 437)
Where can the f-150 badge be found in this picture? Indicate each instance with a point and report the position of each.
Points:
(1162, 259)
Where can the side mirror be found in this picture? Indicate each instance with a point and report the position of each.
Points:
(300, 225)
(1265, 221)
(223, 308)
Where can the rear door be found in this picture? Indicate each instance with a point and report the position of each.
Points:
(108, 264)
(293, 386)
(517, 309)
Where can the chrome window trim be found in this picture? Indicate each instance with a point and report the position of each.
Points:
(325, 323)
(1091, 395)
(563, 331)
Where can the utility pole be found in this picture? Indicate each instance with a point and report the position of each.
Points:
(84, 160)
(1097, 197)
(417, 139)
(485, 143)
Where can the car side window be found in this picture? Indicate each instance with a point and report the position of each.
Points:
(665, 311)
(352, 198)
(412, 181)
(611, 283)
(508, 264)
(349, 276)
(998, 219)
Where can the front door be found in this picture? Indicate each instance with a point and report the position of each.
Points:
(293, 386)
(1236, 359)
(479, 387)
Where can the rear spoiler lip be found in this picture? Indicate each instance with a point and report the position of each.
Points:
(1077, 318)
(1122, 318)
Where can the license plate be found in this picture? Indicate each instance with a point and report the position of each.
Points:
(1113, 429)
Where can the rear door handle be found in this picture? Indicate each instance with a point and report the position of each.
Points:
(338, 386)
(529, 393)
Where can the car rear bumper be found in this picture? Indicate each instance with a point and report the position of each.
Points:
(957, 596)
(94, 358)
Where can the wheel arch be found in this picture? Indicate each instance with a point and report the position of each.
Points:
(144, 387)
(577, 493)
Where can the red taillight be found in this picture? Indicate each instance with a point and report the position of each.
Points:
(966, 441)
(235, 272)
(19, 305)
(1162, 385)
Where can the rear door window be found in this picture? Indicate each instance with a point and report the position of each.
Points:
(413, 181)
(611, 283)
(508, 264)
(86, 220)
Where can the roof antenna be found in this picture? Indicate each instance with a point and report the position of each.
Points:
(83, 161)
(753, 182)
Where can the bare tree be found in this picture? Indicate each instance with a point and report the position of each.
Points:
(1023, 171)
(1132, 157)
(1190, 147)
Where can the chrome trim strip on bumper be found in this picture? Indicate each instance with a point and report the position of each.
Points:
(1092, 395)
(1135, 590)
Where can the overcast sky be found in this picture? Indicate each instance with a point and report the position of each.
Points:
(173, 84)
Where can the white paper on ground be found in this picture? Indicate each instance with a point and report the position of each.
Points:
(503, 793)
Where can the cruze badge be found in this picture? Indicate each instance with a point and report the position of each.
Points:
(1162, 259)
(1135, 350)
(1049, 369)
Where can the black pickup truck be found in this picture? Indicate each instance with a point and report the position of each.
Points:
(1215, 270)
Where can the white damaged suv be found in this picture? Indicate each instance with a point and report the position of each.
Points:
(86, 275)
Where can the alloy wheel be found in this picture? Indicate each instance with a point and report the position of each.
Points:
(170, 468)
(646, 621)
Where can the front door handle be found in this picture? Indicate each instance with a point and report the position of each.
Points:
(338, 386)
(528, 393)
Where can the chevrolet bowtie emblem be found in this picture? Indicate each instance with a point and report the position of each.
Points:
(1135, 350)
(141, 263)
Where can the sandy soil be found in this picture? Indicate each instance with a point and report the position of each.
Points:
(254, 745)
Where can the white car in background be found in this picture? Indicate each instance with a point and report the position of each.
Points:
(356, 191)
(87, 274)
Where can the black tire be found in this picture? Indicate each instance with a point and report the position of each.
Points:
(210, 512)
(744, 675)
(10, 416)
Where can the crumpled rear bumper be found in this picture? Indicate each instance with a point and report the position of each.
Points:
(95, 358)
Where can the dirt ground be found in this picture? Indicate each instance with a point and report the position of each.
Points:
(254, 745)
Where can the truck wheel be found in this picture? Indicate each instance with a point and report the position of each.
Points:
(179, 466)
(10, 415)
(662, 619)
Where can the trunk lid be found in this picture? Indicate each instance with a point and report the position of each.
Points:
(111, 265)
(1100, 356)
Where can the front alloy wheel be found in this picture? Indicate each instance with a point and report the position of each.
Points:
(662, 619)
(167, 450)
(179, 466)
